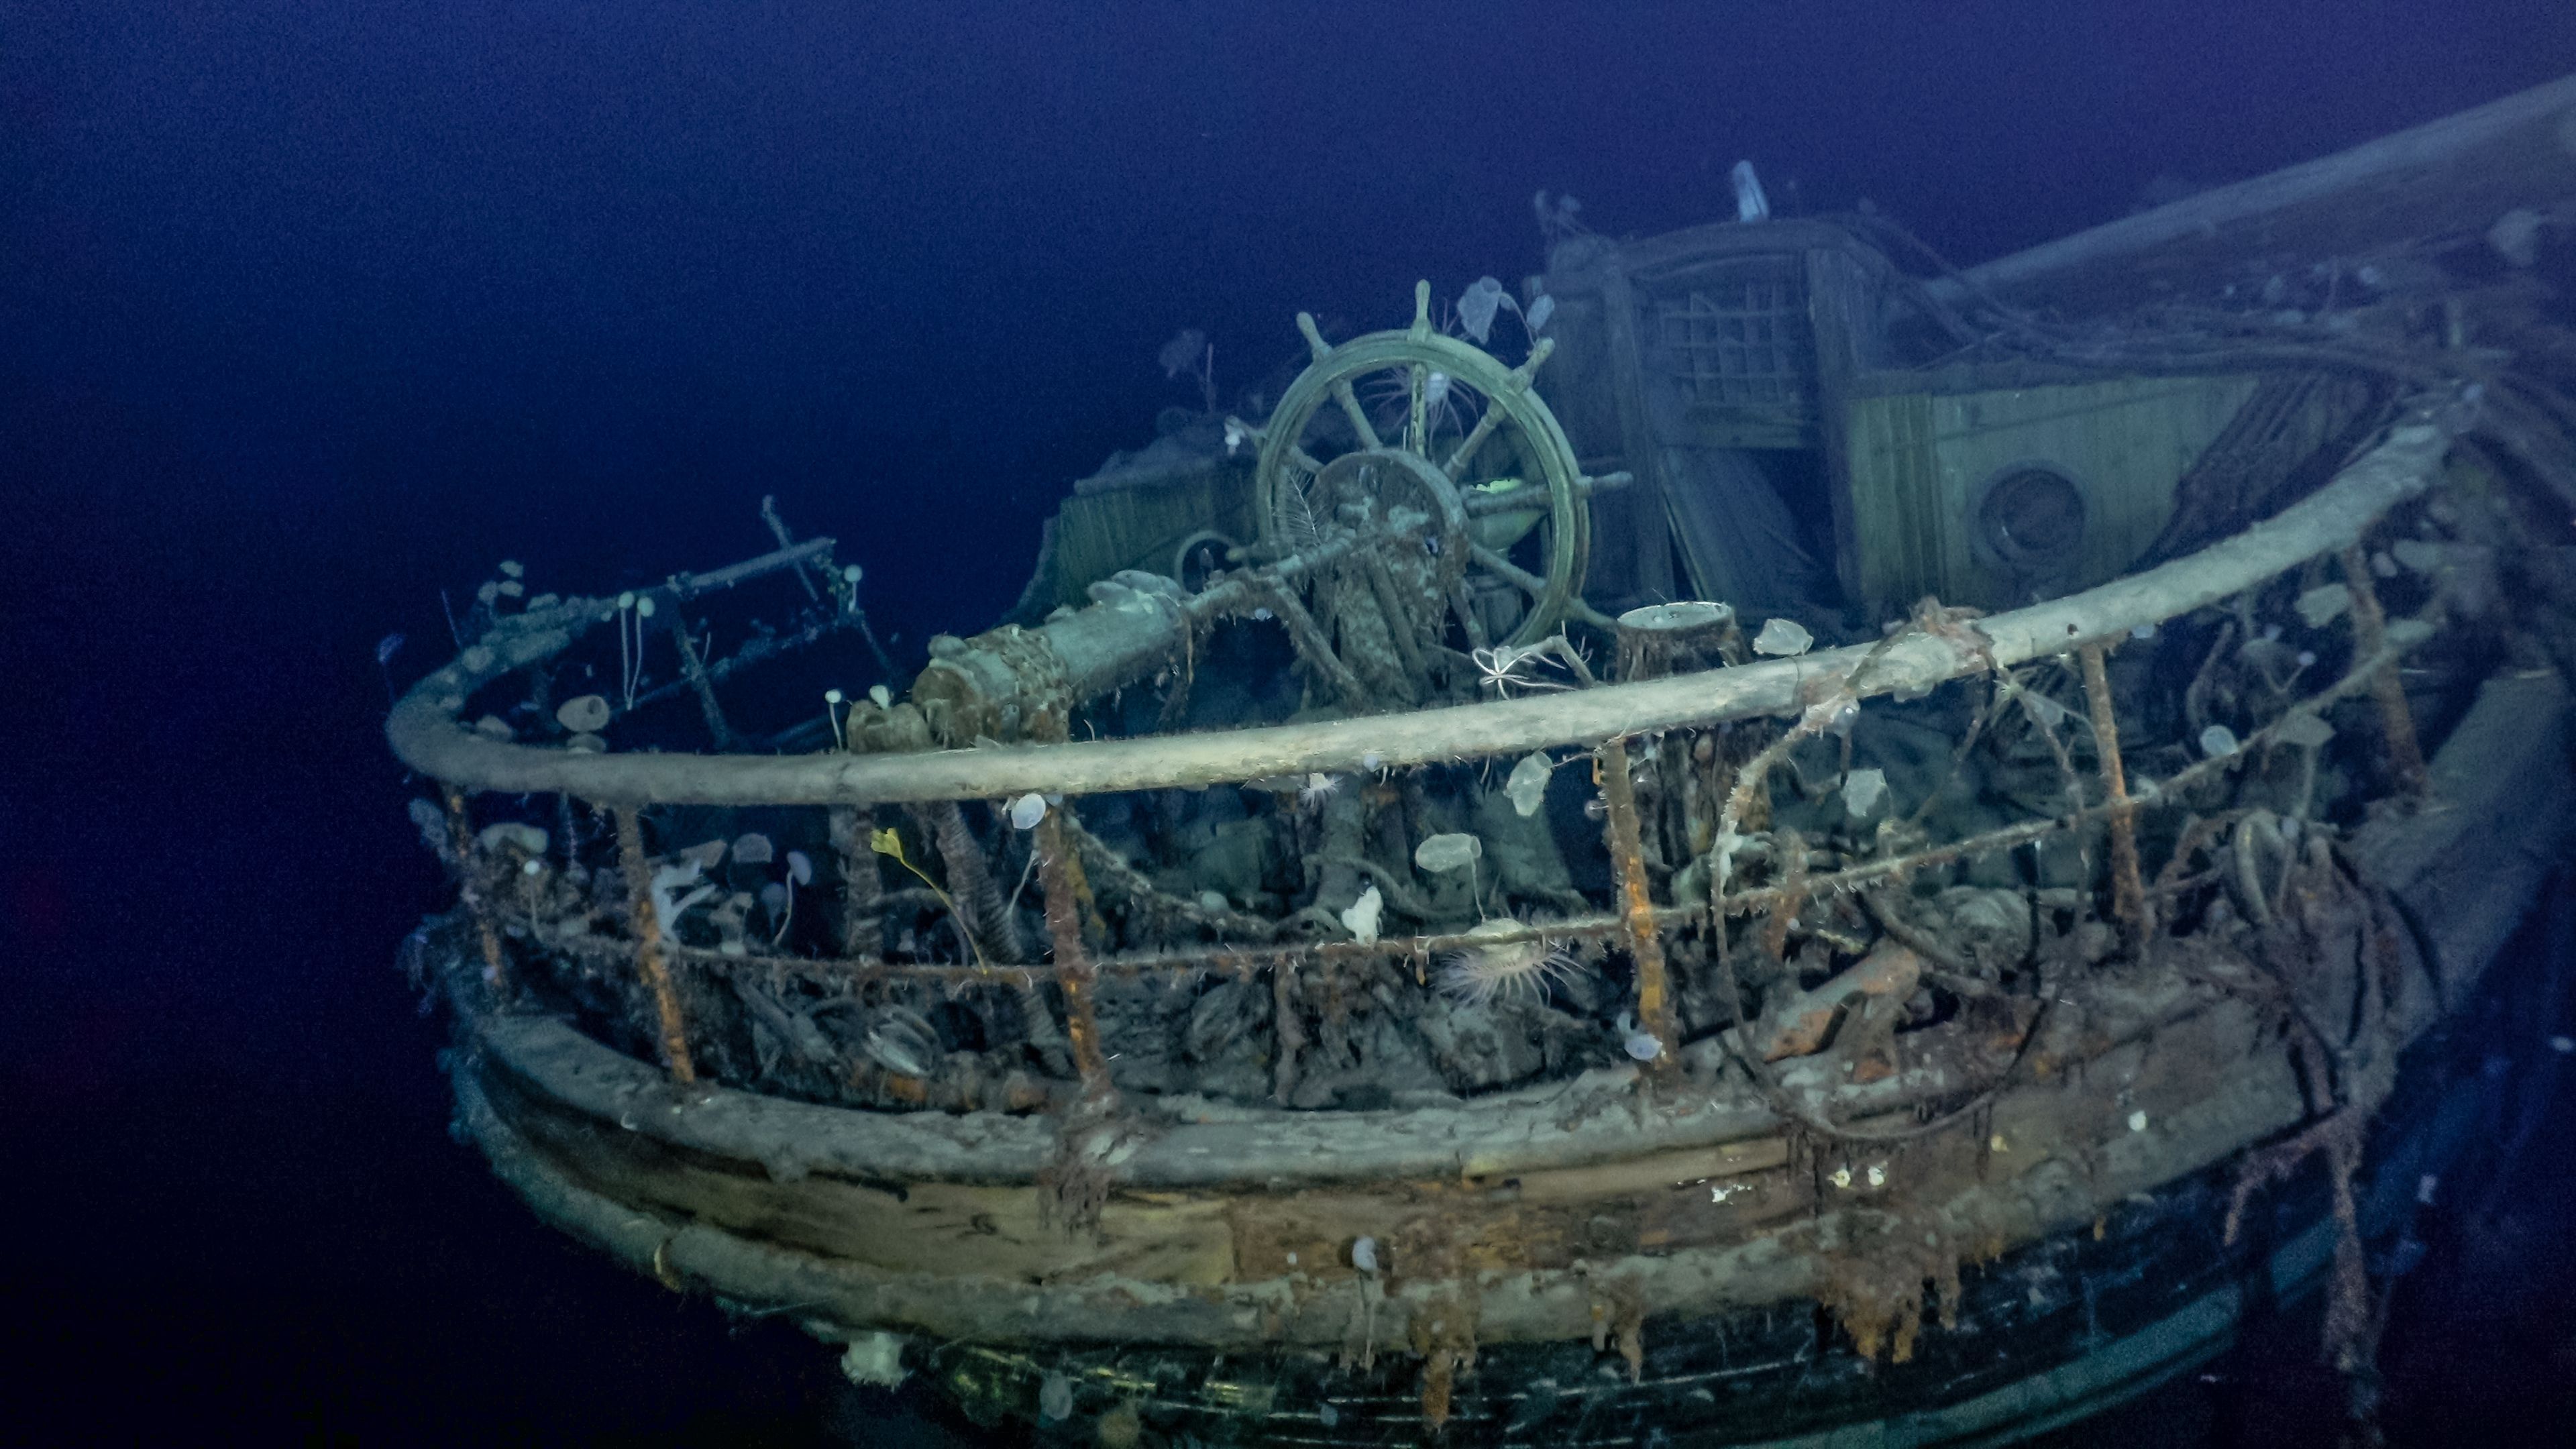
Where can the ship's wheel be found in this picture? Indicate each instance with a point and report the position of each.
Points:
(1418, 420)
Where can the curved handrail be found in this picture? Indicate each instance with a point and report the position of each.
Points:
(425, 734)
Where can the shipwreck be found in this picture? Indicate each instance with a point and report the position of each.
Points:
(1754, 839)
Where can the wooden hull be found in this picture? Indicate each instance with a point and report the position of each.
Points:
(1559, 1263)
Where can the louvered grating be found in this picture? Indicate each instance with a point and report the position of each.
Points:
(1737, 335)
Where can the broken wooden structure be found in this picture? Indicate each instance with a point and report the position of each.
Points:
(1407, 1021)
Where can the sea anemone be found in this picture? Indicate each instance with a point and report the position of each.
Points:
(1448, 405)
(1317, 790)
(1506, 970)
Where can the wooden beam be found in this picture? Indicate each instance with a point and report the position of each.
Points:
(2444, 177)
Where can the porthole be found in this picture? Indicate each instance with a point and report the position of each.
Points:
(2029, 518)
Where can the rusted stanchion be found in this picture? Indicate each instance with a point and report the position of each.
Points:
(862, 893)
(648, 947)
(2370, 636)
(1637, 905)
(2128, 892)
(460, 846)
(1074, 974)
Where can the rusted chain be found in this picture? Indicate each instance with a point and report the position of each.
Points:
(1253, 958)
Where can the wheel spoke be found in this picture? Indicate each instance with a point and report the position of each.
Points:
(1415, 439)
(1503, 568)
(1475, 439)
(1536, 587)
(1358, 415)
(1463, 604)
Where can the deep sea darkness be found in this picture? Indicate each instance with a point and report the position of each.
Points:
(311, 310)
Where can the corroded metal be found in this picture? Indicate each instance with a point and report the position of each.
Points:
(1548, 472)
(1061, 874)
(460, 838)
(2128, 893)
(1474, 1172)
(862, 923)
(649, 965)
(1637, 906)
(2396, 719)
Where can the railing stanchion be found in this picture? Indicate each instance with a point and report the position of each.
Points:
(862, 893)
(1637, 905)
(2128, 891)
(1074, 973)
(2370, 637)
(460, 845)
(649, 965)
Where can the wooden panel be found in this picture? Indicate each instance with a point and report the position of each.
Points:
(1898, 521)
(1628, 541)
(1650, 546)
(915, 1227)
(1841, 310)
(1496, 1221)
(1538, 1220)
(1576, 382)
(1726, 427)
(1098, 533)
(1918, 460)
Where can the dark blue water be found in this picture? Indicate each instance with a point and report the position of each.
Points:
(308, 311)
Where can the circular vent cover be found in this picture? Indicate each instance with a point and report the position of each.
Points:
(2030, 518)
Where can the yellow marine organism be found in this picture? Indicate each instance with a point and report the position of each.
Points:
(887, 843)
